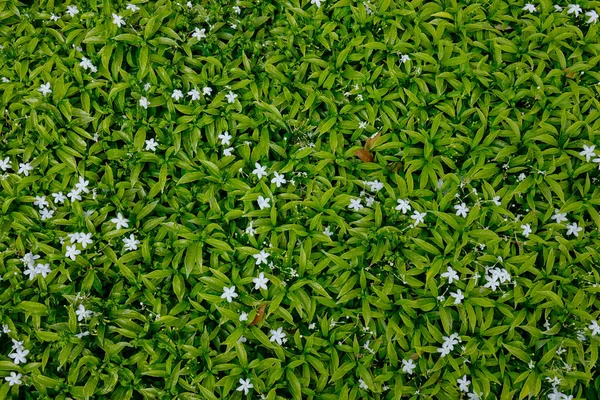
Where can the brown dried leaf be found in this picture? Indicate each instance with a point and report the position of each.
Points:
(371, 141)
(259, 315)
(364, 155)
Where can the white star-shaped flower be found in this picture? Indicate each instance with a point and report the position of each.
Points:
(263, 202)
(529, 7)
(199, 33)
(451, 275)
(229, 293)
(54, 17)
(279, 179)
(59, 197)
(131, 242)
(225, 138)
(195, 94)
(461, 210)
(526, 230)
(5, 164)
(277, 336)
(595, 328)
(259, 171)
(403, 205)
(118, 20)
(316, 2)
(72, 252)
(243, 317)
(46, 214)
(557, 8)
(19, 356)
(245, 386)
(404, 58)
(588, 151)
(408, 366)
(14, 378)
(82, 313)
(463, 384)
(574, 8)
(45, 89)
(327, 232)
(260, 282)
(418, 217)
(120, 221)
(132, 7)
(82, 185)
(458, 296)
(355, 204)
(177, 94)
(593, 16)
(207, 90)
(573, 229)
(497, 201)
(231, 97)
(72, 11)
(151, 144)
(261, 257)
(144, 103)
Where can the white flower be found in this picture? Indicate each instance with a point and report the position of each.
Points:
(194, 93)
(17, 345)
(199, 33)
(245, 386)
(263, 202)
(497, 201)
(85, 239)
(43, 269)
(147, 86)
(362, 383)
(82, 185)
(369, 201)
(86, 64)
(225, 138)
(250, 231)
(144, 102)
(593, 17)
(558, 216)
(451, 275)
(529, 7)
(54, 17)
(376, 186)
(473, 396)
(72, 252)
(277, 336)
(327, 232)
(120, 221)
(24, 169)
(231, 97)
(45, 89)
(260, 282)
(40, 201)
(207, 90)
(458, 296)
(243, 317)
(316, 2)
(595, 328)
(573, 229)
(418, 217)
(74, 194)
(14, 378)
(132, 7)
(404, 58)
(362, 124)
(82, 313)
(72, 10)
(229, 293)
(403, 205)
(59, 197)
(261, 257)
(526, 230)
(131, 243)
(260, 171)
(189, 4)
(408, 366)
(31, 271)
(19, 356)
(237, 9)
(461, 210)
(355, 205)
(151, 144)
(82, 334)
(177, 94)
(588, 151)
(574, 8)
(5, 164)
(118, 20)
(46, 214)
(557, 8)
(279, 179)
(463, 384)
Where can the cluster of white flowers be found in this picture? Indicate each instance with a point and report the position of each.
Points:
(449, 343)
(33, 269)
(19, 353)
(87, 64)
(571, 9)
(495, 276)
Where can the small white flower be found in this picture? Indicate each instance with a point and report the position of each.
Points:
(74, 194)
(588, 151)
(245, 386)
(593, 16)
(463, 384)
(458, 296)
(376, 186)
(45, 89)
(261, 257)
(418, 217)
(118, 20)
(189, 4)
(82, 334)
(404, 58)
(403, 205)
(574, 8)
(461, 210)
(19, 356)
(237, 9)
(229, 293)
(82, 185)
(355, 204)
(526, 230)
(177, 94)
(557, 8)
(529, 7)
(72, 11)
(46, 214)
(151, 144)
(260, 171)
(72, 252)
(86, 64)
(120, 221)
(263, 202)
(279, 179)
(451, 275)
(54, 17)
(521, 177)
(316, 2)
(250, 231)
(59, 197)
(408, 366)
(41, 202)
(558, 216)
(225, 138)
(207, 90)
(260, 282)
(231, 97)
(362, 384)
(14, 378)
(144, 102)
(573, 229)
(5, 164)
(243, 317)
(82, 313)
(199, 33)
(131, 242)
(369, 201)
(132, 7)
(362, 125)
(327, 232)
(195, 94)
(84, 239)
(497, 201)
(595, 328)
(277, 336)
(43, 269)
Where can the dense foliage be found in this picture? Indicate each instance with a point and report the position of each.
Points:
(299, 200)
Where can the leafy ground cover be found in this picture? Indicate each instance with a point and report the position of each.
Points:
(299, 200)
